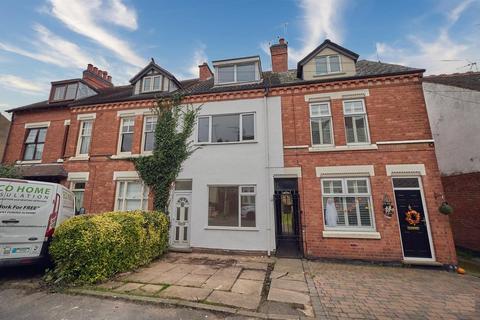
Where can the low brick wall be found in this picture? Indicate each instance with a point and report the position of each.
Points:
(463, 193)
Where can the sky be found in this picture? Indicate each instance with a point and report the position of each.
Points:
(51, 40)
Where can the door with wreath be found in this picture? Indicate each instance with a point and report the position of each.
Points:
(413, 223)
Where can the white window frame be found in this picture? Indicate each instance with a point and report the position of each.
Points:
(124, 199)
(73, 189)
(120, 135)
(312, 117)
(364, 114)
(240, 194)
(144, 132)
(81, 136)
(152, 80)
(241, 115)
(217, 68)
(328, 64)
(344, 195)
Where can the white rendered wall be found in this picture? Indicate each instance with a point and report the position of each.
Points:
(454, 115)
(236, 164)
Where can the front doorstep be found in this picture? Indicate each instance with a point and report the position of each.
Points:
(180, 249)
(422, 262)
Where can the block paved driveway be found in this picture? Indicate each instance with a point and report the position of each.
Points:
(349, 291)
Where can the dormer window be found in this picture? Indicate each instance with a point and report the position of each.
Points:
(71, 91)
(328, 64)
(152, 83)
(241, 70)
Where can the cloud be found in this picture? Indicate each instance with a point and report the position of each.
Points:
(52, 49)
(86, 17)
(199, 57)
(22, 85)
(320, 20)
(442, 54)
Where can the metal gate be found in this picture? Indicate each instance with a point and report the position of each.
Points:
(288, 223)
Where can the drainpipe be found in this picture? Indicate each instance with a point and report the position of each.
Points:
(267, 167)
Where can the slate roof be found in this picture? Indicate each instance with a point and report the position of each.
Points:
(365, 69)
(468, 80)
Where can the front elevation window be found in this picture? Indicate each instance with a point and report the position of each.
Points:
(78, 189)
(126, 134)
(34, 144)
(226, 128)
(149, 125)
(231, 206)
(236, 73)
(328, 64)
(131, 195)
(84, 137)
(347, 203)
(152, 83)
(356, 125)
(321, 123)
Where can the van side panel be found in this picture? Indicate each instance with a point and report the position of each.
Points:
(25, 207)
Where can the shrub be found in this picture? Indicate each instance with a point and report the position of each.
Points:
(90, 248)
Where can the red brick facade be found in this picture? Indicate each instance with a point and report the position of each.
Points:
(396, 112)
(463, 193)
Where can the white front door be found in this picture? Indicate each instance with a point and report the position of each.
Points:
(182, 209)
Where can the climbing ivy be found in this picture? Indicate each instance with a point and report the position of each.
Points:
(172, 147)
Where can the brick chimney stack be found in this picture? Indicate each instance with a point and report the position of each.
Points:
(204, 71)
(279, 54)
(97, 78)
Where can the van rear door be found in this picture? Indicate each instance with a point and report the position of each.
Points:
(25, 207)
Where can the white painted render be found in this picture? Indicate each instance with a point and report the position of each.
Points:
(454, 115)
(252, 163)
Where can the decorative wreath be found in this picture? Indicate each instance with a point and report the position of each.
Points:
(412, 217)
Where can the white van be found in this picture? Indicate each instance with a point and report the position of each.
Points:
(29, 213)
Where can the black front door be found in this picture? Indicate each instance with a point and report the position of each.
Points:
(287, 218)
(413, 224)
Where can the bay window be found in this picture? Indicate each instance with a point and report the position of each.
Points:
(226, 128)
(356, 125)
(232, 206)
(131, 195)
(321, 123)
(347, 204)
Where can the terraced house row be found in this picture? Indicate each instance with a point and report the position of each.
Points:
(332, 159)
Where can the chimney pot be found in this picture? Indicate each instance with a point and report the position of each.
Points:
(97, 78)
(95, 70)
(90, 67)
(281, 41)
(109, 78)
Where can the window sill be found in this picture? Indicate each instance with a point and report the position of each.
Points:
(224, 143)
(321, 75)
(352, 234)
(125, 156)
(343, 148)
(28, 161)
(79, 158)
(233, 228)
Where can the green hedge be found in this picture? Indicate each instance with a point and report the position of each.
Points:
(90, 248)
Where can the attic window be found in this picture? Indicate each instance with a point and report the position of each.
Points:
(328, 64)
(244, 72)
(65, 92)
(152, 83)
